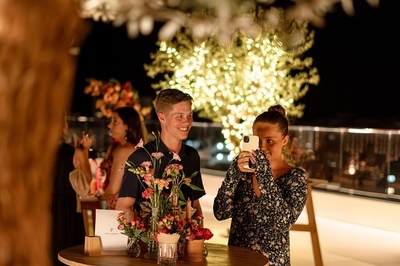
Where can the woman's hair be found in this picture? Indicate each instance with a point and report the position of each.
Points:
(275, 115)
(168, 97)
(136, 128)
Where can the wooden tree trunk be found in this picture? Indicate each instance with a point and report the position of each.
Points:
(36, 75)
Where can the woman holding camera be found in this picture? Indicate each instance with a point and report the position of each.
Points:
(264, 199)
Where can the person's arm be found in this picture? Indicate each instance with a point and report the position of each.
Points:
(125, 204)
(116, 173)
(223, 207)
(81, 157)
(197, 206)
(81, 160)
(130, 190)
(286, 203)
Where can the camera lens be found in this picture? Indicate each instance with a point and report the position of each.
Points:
(246, 139)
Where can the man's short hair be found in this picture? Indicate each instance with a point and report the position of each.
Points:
(168, 97)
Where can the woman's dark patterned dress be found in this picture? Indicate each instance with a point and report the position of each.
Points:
(262, 223)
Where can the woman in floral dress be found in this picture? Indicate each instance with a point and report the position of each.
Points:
(264, 201)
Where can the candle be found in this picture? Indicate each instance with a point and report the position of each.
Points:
(90, 223)
(188, 209)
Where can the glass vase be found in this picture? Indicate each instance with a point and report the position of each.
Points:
(152, 249)
(133, 248)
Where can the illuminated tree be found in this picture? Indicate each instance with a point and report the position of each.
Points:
(233, 84)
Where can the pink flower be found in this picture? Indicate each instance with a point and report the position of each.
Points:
(146, 165)
(157, 155)
(147, 178)
(176, 157)
(140, 144)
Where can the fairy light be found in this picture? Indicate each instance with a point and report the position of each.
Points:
(234, 84)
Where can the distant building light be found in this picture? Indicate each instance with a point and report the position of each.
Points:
(230, 157)
(391, 178)
(360, 130)
(82, 118)
(352, 171)
(390, 190)
(189, 143)
(219, 156)
(220, 145)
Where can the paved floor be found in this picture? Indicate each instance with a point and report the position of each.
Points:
(352, 231)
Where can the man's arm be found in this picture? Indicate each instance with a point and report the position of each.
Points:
(197, 206)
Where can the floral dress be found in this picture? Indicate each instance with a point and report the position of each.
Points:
(262, 223)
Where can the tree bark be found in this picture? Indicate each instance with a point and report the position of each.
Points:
(36, 77)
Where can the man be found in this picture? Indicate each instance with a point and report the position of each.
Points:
(174, 111)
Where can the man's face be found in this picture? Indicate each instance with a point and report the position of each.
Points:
(178, 121)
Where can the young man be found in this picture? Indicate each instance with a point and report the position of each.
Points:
(174, 111)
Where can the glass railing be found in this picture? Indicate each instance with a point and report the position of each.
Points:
(357, 161)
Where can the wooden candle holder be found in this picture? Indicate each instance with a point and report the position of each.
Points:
(93, 246)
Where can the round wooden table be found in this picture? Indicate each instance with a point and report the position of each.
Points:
(221, 255)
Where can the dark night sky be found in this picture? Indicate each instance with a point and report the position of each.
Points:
(357, 58)
(358, 61)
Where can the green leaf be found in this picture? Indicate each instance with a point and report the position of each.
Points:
(195, 187)
(194, 174)
(181, 194)
(145, 239)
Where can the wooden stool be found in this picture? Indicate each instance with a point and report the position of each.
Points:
(312, 225)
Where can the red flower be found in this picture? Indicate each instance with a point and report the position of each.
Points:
(207, 234)
(146, 194)
(196, 232)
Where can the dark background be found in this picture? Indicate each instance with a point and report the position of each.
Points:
(357, 58)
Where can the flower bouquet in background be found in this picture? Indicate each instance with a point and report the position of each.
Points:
(111, 95)
(300, 155)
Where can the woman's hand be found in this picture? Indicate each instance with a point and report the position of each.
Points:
(100, 193)
(245, 158)
(86, 141)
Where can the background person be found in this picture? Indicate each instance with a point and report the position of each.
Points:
(67, 225)
(126, 128)
(266, 200)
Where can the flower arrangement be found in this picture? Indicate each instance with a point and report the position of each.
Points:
(111, 95)
(161, 211)
(170, 224)
(132, 229)
(300, 154)
(154, 188)
(194, 231)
